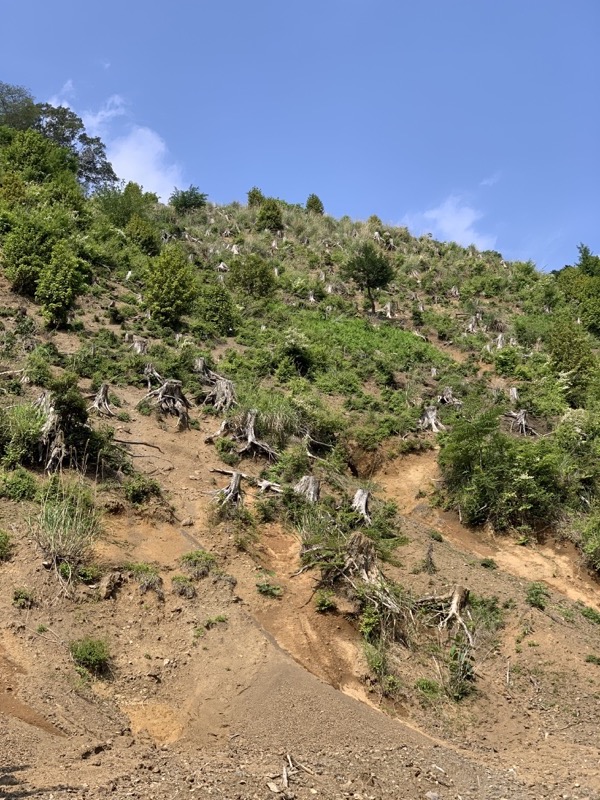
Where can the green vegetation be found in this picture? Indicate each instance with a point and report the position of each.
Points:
(269, 589)
(92, 655)
(6, 546)
(198, 563)
(23, 598)
(537, 595)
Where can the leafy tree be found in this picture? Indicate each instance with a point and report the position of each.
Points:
(314, 204)
(17, 107)
(190, 199)
(216, 310)
(253, 275)
(269, 216)
(144, 234)
(255, 197)
(63, 127)
(572, 356)
(61, 281)
(588, 263)
(122, 202)
(369, 270)
(171, 286)
(35, 158)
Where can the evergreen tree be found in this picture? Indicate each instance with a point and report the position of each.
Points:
(369, 270)
(314, 204)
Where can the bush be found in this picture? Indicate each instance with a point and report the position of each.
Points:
(171, 286)
(23, 598)
(61, 281)
(141, 488)
(537, 595)
(18, 485)
(183, 586)
(325, 601)
(68, 524)
(269, 216)
(269, 589)
(20, 433)
(144, 234)
(314, 204)
(255, 197)
(90, 654)
(147, 576)
(253, 275)
(189, 199)
(197, 563)
(6, 546)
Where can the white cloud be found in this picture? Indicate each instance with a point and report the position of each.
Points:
(97, 122)
(492, 180)
(63, 96)
(142, 156)
(453, 220)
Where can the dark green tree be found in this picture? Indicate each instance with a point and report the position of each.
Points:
(369, 269)
(588, 263)
(17, 107)
(61, 281)
(171, 286)
(269, 216)
(314, 204)
(189, 199)
(252, 275)
(255, 197)
(63, 127)
(120, 203)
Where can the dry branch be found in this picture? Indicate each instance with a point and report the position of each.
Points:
(448, 607)
(254, 446)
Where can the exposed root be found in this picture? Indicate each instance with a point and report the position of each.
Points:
(170, 399)
(448, 607)
(101, 404)
(254, 446)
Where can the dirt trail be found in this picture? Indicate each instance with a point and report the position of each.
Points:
(409, 479)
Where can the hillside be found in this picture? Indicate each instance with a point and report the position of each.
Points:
(289, 505)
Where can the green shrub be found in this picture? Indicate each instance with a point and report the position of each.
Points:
(591, 659)
(269, 589)
(171, 286)
(20, 435)
(591, 614)
(537, 595)
(431, 690)
(189, 199)
(198, 563)
(140, 488)
(90, 654)
(252, 275)
(144, 234)
(325, 601)
(255, 197)
(60, 282)
(23, 598)
(269, 216)
(6, 546)
(488, 563)
(18, 485)
(314, 204)
(183, 586)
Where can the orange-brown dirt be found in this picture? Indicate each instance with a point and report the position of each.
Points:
(198, 706)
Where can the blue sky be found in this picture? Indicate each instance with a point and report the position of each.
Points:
(475, 120)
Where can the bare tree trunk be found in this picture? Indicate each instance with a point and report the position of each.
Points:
(309, 487)
(447, 398)
(170, 400)
(360, 504)
(519, 419)
(152, 375)
(232, 493)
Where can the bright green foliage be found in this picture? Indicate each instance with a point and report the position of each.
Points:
(28, 247)
(252, 275)
(572, 355)
(36, 158)
(61, 281)
(215, 310)
(18, 485)
(6, 546)
(121, 203)
(369, 269)
(198, 563)
(189, 199)
(255, 197)
(171, 286)
(537, 595)
(314, 204)
(269, 216)
(144, 234)
(92, 655)
(140, 488)
(590, 539)
(20, 431)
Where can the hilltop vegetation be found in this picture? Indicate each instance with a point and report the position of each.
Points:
(325, 347)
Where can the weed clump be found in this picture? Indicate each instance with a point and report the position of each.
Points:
(183, 586)
(537, 595)
(91, 655)
(148, 578)
(6, 546)
(23, 598)
(197, 563)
